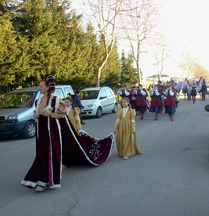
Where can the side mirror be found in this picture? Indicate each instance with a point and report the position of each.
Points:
(207, 108)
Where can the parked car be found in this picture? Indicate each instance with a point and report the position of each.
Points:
(16, 110)
(207, 89)
(98, 100)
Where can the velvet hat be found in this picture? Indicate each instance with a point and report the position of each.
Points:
(51, 82)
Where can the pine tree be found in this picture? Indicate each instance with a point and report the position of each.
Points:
(128, 71)
(8, 49)
(35, 23)
(111, 73)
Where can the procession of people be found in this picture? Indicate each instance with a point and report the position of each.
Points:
(162, 97)
(60, 139)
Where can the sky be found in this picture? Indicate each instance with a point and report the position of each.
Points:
(185, 26)
(186, 30)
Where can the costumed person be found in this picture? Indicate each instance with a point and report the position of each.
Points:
(73, 113)
(160, 87)
(156, 105)
(126, 139)
(170, 102)
(176, 91)
(203, 90)
(77, 103)
(141, 100)
(125, 93)
(193, 93)
(188, 90)
(133, 96)
(58, 143)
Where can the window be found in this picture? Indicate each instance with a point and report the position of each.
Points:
(103, 93)
(109, 93)
(68, 91)
(18, 100)
(87, 95)
(59, 93)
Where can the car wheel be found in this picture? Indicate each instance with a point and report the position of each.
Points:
(99, 112)
(115, 108)
(29, 130)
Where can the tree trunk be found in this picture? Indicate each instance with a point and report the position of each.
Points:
(137, 62)
(138, 72)
(98, 76)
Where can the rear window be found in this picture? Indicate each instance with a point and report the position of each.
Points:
(89, 95)
(18, 100)
(68, 91)
(59, 93)
(109, 92)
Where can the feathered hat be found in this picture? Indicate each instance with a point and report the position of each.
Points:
(51, 82)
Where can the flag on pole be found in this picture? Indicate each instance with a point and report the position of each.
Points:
(199, 85)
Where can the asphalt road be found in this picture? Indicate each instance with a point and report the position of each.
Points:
(171, 178)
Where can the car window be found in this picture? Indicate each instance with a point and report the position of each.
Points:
(18, 100)
(109, 93)
(59, 93)
(103, 93)
(88, 95)
(68, 91)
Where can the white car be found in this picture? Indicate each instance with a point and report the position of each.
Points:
(98, 100)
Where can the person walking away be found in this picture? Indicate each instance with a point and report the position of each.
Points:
(156, 105)
(203, 91)
(126, 139)
(73, 113)
(193, 93)
(77, 103)
(170, 102)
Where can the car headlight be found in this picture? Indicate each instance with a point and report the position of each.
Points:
(12, 117)
(89, 106)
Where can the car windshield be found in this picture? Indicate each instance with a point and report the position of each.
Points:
(18, 100)
(89, 94)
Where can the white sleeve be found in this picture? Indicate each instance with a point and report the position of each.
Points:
(143, 93)
(171, 93)
(156, 92)
(151, 92)
(127, 93)
(119, 92)
(166, 92)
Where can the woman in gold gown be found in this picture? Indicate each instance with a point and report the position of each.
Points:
(126, 139)
(73, 113)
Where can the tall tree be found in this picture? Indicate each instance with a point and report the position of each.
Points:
(9, 49)
(104, 14)
(128, 73)
(187, 65)
(160, 52)
(138, 20)
(35, 22)
(111, 73)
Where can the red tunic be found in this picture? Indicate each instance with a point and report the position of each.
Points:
(170, 100)
(156, 100)
(141, 99)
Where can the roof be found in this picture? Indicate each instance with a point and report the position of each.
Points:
(35, 88)
(94, 88)
(29, 89)
(91, 89)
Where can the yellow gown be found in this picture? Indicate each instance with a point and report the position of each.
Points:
(73, 115)
(127, 142)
